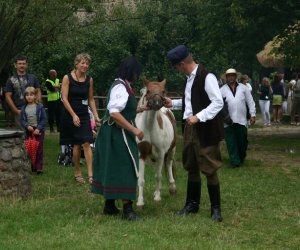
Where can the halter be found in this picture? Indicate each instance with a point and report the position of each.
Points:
(155, 104)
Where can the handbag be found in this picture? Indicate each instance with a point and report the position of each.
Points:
(31, 146)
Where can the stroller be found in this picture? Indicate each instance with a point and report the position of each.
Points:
(65, 157)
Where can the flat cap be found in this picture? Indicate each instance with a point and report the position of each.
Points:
(177, 54)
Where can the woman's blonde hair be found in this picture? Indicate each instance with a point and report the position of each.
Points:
(82, 56)
(31, 90)
(266, 80)
(244, 78)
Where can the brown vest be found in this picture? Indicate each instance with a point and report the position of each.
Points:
(210, 132)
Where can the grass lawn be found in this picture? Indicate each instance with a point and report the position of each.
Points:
(260, 206)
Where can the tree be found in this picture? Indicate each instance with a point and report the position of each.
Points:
(289, 42)
(28, 23)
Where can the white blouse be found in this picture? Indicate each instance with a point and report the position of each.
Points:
(118, 98)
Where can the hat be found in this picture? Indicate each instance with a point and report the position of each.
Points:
(230, 71)
(177, 54)
(293, 82)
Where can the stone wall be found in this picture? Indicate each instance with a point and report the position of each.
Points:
(15, 167)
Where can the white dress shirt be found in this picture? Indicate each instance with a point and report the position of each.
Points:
(118, 98)
(212, 89)
(237, 103)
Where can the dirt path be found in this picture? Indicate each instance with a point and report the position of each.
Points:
(284, 150)
(282, 130)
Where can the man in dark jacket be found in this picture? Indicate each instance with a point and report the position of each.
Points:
(203, 130)
(16, 85)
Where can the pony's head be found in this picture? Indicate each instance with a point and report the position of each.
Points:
(155, 92)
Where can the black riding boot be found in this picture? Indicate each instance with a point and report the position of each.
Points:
(215, 201)
(128, 212)
(193, 194)
(110, 208)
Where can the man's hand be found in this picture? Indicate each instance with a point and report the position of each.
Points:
(168, 102)
(192, 120)
(252, 120)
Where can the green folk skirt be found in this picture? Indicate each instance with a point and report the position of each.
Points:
(114, 174)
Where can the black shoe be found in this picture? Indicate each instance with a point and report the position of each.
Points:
(129, 213)
(215, 201)
(216, 214)
(110, 208)
(190, 207)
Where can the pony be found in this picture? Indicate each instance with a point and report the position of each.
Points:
(159, 143)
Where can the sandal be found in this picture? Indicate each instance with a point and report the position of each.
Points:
(79, 179)
(90, 178)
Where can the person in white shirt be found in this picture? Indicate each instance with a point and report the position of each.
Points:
(203, 130)
(245, 81)
(115, 165)
(237, 97)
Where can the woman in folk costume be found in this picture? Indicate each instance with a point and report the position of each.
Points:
(115, 165)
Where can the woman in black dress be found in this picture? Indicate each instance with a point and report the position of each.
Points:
(77, 95)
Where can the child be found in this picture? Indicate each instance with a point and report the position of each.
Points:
(33, 119)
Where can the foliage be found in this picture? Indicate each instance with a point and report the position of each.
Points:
(289, 42)
(29, 26)
(220, 34)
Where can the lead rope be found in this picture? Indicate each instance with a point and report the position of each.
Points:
(134, 163)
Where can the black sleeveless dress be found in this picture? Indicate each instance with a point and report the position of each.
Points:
(78, 99)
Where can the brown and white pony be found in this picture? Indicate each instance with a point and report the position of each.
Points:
(159, 143)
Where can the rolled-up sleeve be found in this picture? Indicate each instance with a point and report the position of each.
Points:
(214, 94)
(117, 99)
(176, 104)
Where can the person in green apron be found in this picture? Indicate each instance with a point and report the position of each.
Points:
(115, 164)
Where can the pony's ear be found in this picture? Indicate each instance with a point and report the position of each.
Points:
(163, 82)
(146, 82)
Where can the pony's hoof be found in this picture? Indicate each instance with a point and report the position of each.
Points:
(173, 192)
(157, 199)
(140, 207)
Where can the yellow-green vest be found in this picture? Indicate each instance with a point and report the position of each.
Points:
(53, 96)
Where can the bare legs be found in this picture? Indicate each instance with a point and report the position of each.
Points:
(88, 154)
(89, 161)
(277, 113)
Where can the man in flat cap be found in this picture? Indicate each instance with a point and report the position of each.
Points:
(203, 130)
(238, 97)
